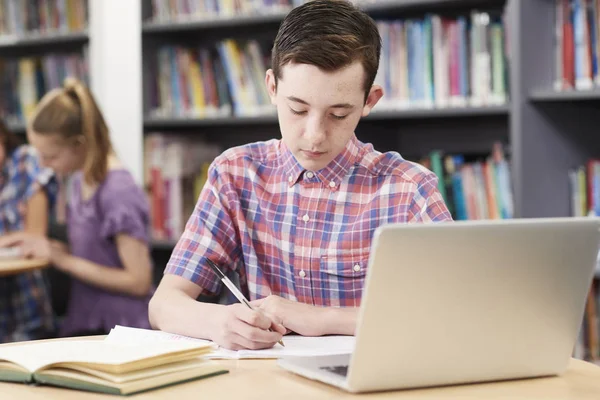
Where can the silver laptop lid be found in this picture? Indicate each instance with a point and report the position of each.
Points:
(472, 301)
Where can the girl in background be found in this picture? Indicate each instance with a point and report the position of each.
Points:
(107, 216)
(26, 191)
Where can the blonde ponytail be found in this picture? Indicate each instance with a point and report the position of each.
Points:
(72, 112)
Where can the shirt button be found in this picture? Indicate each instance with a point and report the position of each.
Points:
(302, 274)
(309, 175)
(356, 267)
(290, 179)
(306, 218)
(332, 184)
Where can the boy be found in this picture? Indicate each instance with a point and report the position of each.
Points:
(294, 217)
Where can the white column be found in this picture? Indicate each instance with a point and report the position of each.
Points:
(116, 75)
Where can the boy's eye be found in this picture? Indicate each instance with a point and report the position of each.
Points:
(339, 117)
(297, 112)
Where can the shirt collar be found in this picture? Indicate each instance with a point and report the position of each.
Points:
(333, 172)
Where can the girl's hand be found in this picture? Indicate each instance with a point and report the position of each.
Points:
(59, 252)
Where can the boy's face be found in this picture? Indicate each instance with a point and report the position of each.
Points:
(318, 111)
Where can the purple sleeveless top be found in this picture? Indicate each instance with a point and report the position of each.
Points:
(119, 205)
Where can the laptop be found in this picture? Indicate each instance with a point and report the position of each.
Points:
(466, 302)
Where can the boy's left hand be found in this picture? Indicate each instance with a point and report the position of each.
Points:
(301, 318)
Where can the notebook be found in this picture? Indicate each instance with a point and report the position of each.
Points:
(101, 366)
(294, 345)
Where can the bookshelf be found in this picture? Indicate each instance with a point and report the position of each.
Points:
(545, 139)
(450, 112)
(28, 41)
(414, 131)
(543, 96)
(547, 133)
(40, 44)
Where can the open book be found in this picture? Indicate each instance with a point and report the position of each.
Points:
(101, 366)
(294, 345)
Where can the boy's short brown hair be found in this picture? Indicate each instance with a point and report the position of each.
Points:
(329, 34)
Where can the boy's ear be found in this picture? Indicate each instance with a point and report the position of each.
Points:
(271, 84)
(375, 94)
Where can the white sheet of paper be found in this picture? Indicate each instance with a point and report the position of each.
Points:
(294, 345)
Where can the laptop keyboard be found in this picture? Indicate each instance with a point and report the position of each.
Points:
(337, 369)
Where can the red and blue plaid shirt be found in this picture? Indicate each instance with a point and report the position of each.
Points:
(25, 304)
(302, 235)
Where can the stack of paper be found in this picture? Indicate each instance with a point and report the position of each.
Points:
(294, 345)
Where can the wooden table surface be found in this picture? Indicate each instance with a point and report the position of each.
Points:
(11, 267)
(263, 379)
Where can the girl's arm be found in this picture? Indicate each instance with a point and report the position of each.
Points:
(36, 214)
(135, 279)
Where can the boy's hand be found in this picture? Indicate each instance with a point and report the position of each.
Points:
(301, 318)
(238, 327)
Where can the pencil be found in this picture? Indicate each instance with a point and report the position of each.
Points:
(233, 289)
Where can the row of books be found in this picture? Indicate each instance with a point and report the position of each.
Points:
(175, 170)
(577, 44)
(169, 11)
(20, 18)
(584, 183)
(184, 10)
(425, 63)
(474, 186)
(439, 62)
(23, 81)
(210, 82)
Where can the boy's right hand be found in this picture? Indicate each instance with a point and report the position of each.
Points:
(237, 327)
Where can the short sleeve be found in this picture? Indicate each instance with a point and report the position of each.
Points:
(28, 176)
(209, 233)
(428, 204)
(124, 210)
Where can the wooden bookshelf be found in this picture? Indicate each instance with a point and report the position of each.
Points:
(541, 96)
(40, 45)
(153, 27)
(151, 123)
(37, 40)
(376, 8)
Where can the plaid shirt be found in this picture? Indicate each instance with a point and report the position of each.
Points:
(25, 307)
(302, 235)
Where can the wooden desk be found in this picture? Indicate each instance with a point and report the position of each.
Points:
(12, 267)
(261, 380)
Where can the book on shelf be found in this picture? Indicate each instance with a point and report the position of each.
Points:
(108, 367)
(576, 44)
(439, 61)
(38, 18)
(175, 170)
(193, 10)
(473, 186)
(584, 183)
(23, 81)
(430, 62)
